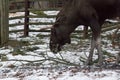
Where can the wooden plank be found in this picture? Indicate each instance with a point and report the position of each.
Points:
(17, 17)
(30, 0)
(4, 35)
(42, 16)
(110, 28)
(48, 9)
(22, 10)
(35, 23)
(32, 16)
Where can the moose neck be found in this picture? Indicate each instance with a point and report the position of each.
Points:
(71, 25)
(67, 29)
(71, 28)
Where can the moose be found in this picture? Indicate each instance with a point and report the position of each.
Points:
(91, 13)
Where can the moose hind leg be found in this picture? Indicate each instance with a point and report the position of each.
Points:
(98, 47)
(96, 40)
(89, 61)
(96, 43)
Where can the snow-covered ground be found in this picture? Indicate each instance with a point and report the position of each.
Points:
(34, 61)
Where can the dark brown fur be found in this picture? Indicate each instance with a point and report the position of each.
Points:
(83, 12)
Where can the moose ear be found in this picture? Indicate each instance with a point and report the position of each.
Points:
(57, 19)
(60, 19)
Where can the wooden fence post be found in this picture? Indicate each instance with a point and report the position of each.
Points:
(26, 23)
(4, 28)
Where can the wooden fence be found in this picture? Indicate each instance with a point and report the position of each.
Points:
(27, 9)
